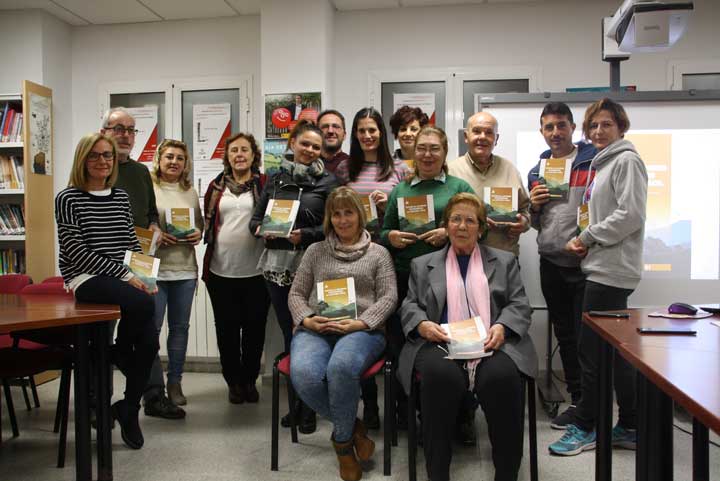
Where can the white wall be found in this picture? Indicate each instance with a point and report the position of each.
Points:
(153, 51)
(21, 38)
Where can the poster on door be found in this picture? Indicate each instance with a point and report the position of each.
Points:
(146, 139)
(283, 111)
(211, 126)
(424, 101)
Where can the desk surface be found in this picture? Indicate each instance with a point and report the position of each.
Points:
(21, 312)
(686, 368)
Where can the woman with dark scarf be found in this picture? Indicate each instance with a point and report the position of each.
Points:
(301, 176)
(237, 290)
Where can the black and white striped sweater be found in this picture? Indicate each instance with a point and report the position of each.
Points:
(94, 232)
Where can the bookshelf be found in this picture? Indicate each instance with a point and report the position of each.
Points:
(36, 196)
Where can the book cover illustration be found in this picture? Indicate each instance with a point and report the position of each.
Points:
(417, 214)
(279, 217)
(501, 203)
(467, 339)
(148, 240)
(583, 217)
(555, 174)
(336, 299)
(371, 215)
(144, 267)
(180, 221)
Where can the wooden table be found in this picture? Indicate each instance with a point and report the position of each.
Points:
(684, 369)
(19, 313)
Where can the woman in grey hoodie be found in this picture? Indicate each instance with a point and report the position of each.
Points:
(611, 248)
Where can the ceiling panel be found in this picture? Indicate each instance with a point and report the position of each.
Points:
(432, 3)
(109, 11)
(365, 4)
(184, 9)
(246, 7)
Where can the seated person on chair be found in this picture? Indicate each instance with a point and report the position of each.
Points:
(461, 281)
(329, 356)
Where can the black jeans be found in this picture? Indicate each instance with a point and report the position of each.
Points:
(240, 306)
(136, 344)
(498, 387)
(564, 289)
(600, 297)
(279, 298)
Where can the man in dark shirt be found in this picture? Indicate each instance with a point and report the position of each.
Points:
(134, 178)
(332, 125)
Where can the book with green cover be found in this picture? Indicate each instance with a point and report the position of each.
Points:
(371, 215)
(501, 203)
(555, 174)
(180, 221)
(467, 338)
(148, 240)
(279, 217)
(144, 267)
(583, 217)
(336, 299)
(416, 214)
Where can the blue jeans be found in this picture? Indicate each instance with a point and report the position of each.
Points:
(326, 369)
(177, 297)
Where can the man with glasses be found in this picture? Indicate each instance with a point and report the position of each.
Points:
(480, 168)
(332, 125)
(561, 279)
(134, 178)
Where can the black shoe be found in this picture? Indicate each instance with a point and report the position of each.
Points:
(251, 393)
(236, 394)
(285, 421)
(465, 433)
(308, 420)
(562, 420)
(130, 431)
(371, 416)
(161, 407)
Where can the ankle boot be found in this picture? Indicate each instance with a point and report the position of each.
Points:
(364, 446)
(349, 466)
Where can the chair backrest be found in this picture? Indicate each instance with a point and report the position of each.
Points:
(53, 280)
(45, 288)
(13, 283)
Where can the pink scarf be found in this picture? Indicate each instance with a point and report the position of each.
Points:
(474, 291)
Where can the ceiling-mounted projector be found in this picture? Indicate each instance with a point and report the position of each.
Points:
(649, 25)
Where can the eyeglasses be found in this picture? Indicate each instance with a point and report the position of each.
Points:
(434, 150)
(93, 156)
(328, 126)
(121, 130)
(601, 125)
(457, 220)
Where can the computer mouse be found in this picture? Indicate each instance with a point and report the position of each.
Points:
(682, 308)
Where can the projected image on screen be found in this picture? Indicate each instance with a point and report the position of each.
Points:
(682, 229)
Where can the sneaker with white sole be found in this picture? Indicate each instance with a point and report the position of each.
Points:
(562, 420)
(573, 442)
(624, 438)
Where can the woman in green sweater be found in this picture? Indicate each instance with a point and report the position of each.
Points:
(428, 178)
(178, 274)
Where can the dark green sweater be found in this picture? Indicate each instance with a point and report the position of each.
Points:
(441, 192)
(134, 178)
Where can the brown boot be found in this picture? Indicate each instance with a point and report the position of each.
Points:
(364, 446)
(349, 466)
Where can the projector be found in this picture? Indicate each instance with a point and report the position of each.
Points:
(648, 25)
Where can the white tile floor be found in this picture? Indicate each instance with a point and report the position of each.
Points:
(223, 442)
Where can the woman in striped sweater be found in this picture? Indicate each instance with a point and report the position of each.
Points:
(95, 229)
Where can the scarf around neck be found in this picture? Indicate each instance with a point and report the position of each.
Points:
(351, 252)
(302, 173)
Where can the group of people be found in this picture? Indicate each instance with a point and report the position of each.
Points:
(407, 285)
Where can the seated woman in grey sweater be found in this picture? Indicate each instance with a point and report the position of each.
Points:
(328, 355)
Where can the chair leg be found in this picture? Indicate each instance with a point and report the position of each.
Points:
(64, 400)
(59, 408)
(275, 417)
(10, 408)
(532, 421)
(291, 401)
(33, 390)
(389, 424)
(23, 385)
(412, 435)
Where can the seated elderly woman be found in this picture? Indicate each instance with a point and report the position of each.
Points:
(462, 281)
(328, 355)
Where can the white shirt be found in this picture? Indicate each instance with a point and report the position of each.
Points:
(236, 251)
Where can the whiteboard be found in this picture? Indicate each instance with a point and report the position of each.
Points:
(517, 123)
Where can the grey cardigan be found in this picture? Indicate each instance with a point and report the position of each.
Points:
(427, 292)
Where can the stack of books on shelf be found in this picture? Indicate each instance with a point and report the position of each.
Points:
(10, 123)
(11, 172)
(12, 261)
(12, 219)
